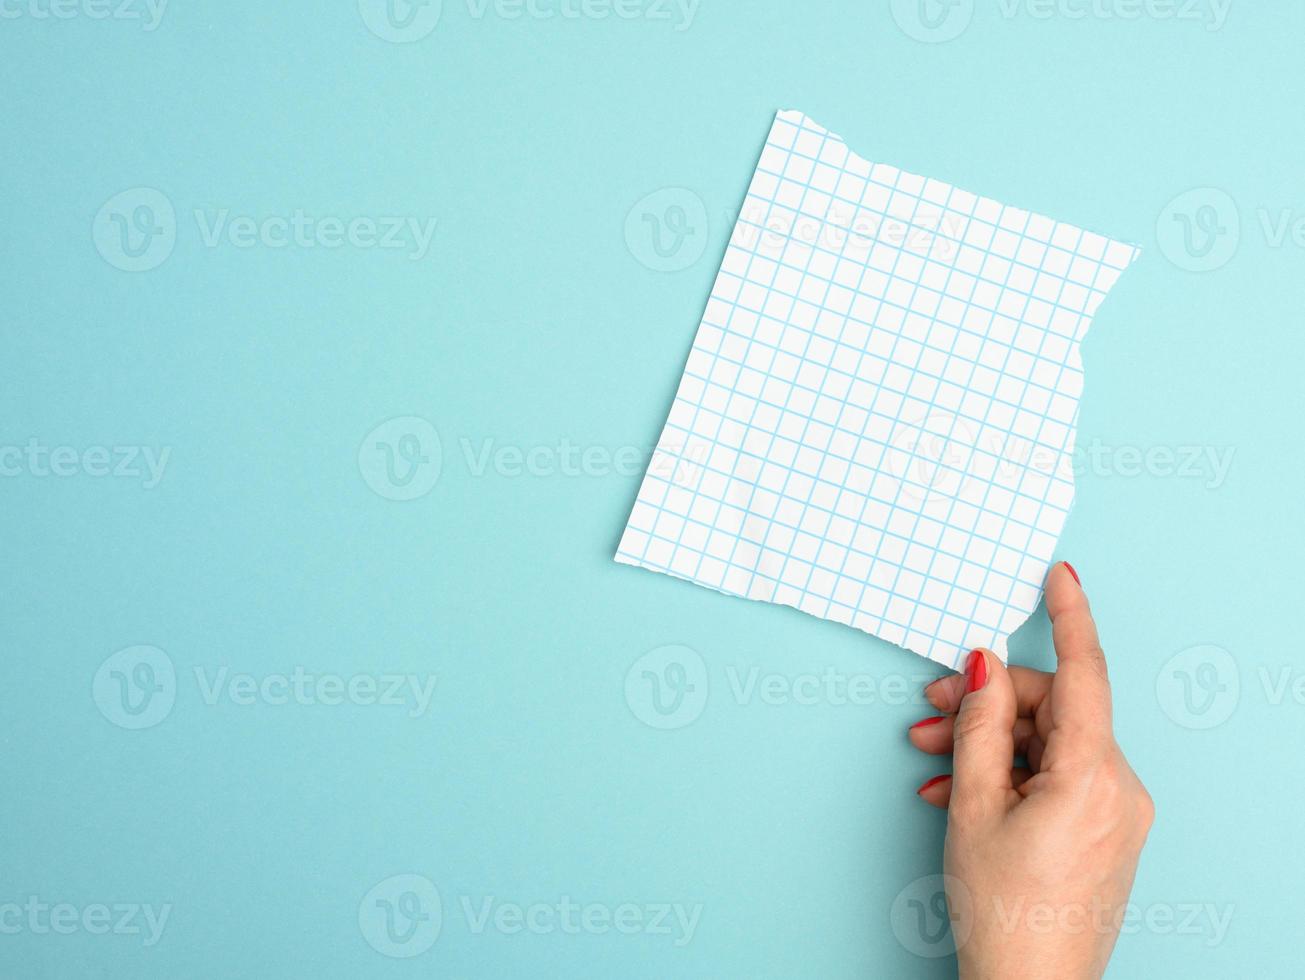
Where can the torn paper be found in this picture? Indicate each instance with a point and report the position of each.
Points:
(876, 422)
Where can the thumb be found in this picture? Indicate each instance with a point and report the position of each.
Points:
(985, 741)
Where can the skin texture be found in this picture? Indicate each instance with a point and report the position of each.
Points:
(1040, 857)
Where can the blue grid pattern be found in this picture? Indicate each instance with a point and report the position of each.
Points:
(876, 422)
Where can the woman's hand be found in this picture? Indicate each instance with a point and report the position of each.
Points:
(1039, 858)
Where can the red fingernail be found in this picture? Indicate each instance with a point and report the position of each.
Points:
(927, 722)
(932, 782)
(1074, 573)
(976, 672)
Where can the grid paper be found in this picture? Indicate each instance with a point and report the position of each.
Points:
(876, 422)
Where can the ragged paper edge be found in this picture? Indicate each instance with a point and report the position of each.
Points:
(999, 645)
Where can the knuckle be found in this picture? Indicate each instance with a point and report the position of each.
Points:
(1116, 791)
(972, 723)
(1110, 794)
(1095, 658)
(1102, 782)
(1146, 809)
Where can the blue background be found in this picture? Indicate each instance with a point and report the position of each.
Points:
(535, 319)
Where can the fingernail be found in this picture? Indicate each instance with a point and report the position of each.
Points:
(976, 672)
(927, 722)
(1074, 573)
(933, 782)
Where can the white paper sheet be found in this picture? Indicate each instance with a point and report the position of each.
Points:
(876, 422)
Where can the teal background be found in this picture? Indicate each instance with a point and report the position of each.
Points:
(531, 321)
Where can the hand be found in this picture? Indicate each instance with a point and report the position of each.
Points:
(1039, 859)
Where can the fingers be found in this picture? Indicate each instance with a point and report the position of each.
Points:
(933, 736)
(1031, 689)
(938, 791)
(989, 712)
(983, 741)
(1082, 703)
